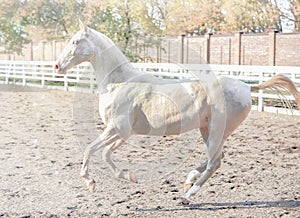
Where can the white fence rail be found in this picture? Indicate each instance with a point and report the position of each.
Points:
(81, 78)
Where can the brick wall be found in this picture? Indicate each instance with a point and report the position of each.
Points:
(221, 49)
(288, 49)
(282, 49)
(255, 49)
(247, 49)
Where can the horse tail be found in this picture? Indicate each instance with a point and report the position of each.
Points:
(282, 82)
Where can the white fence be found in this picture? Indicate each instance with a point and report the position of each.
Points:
(81, 78)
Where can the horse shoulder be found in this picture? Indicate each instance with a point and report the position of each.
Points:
(108, 102)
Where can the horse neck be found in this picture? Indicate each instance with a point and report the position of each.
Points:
(111, 66)
(107, 60)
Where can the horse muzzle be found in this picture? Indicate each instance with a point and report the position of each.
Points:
(59, 69)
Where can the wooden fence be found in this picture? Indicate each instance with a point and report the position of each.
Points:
(81, 78)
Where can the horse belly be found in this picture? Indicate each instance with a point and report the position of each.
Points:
(170, 110)
(159, 125)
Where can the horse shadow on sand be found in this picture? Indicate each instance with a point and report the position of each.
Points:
(229, 205)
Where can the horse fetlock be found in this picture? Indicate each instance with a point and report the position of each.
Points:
(192, 191)
(187, 187)
(192, 176)
(84, 174)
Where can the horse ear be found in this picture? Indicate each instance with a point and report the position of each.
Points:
(83, 27)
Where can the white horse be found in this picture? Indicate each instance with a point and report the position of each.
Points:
(134, 102)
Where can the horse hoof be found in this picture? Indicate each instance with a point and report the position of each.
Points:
(184, 201)
(187, 187)
(91, 185)
(131, 177)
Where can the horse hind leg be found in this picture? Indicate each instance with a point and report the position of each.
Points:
(212, 166)
(206, 169)
(106, 156)
(194, 174)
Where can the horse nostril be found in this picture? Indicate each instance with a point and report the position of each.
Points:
(56, 66)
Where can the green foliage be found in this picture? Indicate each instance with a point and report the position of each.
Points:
(220, 16)
(53, 19)
(130, 23)
(251, 16)
(295, 10)
(122, 23)
(12, 33)
(12, 37)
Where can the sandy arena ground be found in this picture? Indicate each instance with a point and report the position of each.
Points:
(43, 133)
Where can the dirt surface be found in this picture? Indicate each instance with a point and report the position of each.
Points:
(43, 133)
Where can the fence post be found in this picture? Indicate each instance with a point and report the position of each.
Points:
(187, 51)
(14, 77)
(272, 47)
(24, 76)
(293, 76)
(65, 82)
(7, 73)
(43, 80)
(208, 40)
(181, 49)
(238, 46)
(260, 104)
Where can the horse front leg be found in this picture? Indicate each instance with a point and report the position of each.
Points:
(108, 137)
(106, 156)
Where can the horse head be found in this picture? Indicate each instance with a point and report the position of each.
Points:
(79, 49)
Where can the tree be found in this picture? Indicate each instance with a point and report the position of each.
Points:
(250, 16)
(295, 9)
(122, 21)
(12, 34)
(52, 19)
(193, 16)
(152, 16)
(220, 16)
(290, 13)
